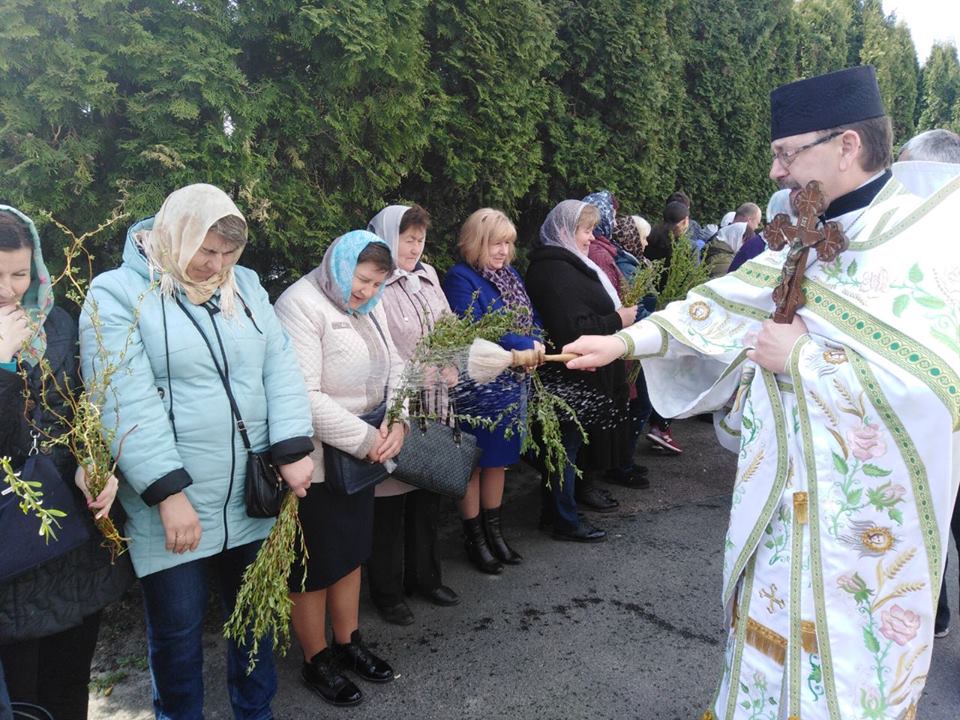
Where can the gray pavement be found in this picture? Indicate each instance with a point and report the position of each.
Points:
(630, 628)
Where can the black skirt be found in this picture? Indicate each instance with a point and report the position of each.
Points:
(338, 533)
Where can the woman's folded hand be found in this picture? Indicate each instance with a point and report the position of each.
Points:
(298, 475)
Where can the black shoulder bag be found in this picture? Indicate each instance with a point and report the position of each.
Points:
(25, 549)
(263, 488)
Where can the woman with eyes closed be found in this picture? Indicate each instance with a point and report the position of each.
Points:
(339, 332)
(192, 333)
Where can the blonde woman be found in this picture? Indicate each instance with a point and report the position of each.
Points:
(484, 281)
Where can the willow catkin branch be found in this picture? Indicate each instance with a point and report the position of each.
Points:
(30, 497)
(263, 606)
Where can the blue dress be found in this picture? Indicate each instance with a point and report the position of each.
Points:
(459, 285)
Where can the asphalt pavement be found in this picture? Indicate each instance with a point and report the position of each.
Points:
(628, 628)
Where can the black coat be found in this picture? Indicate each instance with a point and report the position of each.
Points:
(60, 593)
(571, 302)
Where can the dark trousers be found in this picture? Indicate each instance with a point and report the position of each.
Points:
(943, 608)
(405, 555)
(640, 410)
(175, 601)
(559, 505)
(53, 672)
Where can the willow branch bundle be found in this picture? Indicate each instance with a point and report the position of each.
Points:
(84, 434)
(262, 610)
(544, 411)
(449, 345)
(446, 348)
(684, 272)
(644, 282)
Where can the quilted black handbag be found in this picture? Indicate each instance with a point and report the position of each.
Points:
(438, 456)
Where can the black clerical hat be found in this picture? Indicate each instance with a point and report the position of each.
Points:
(825, 101)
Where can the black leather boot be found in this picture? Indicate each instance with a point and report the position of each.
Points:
(478, 552)
(491, 524)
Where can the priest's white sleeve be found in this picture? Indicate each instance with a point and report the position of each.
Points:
(694, 351)
(642, 339)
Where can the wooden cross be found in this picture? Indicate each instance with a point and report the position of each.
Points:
(829, 241)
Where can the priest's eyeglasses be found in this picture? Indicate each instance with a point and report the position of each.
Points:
(786, 157)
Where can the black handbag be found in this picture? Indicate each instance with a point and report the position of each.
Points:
(438, 456)
(345, 474)
(19, 531)
(263, 487)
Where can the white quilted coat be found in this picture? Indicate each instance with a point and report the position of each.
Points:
(344, 363)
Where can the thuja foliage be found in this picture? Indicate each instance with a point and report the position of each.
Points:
(313, 115)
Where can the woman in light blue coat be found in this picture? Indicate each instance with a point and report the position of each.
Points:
(177, 317)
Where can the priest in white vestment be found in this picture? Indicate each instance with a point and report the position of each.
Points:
(845, 421)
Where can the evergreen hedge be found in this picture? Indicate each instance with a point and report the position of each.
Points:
(314, 114)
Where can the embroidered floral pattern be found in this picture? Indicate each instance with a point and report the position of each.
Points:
(759, 703)
(897, 627)
(857, 446)
(942, 308)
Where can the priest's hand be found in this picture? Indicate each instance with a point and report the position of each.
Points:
(595, 351)
(775, 342)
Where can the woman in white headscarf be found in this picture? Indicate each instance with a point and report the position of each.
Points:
(571, 293)
(405, 555)
(188, 329)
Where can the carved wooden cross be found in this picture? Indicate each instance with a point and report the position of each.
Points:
(829, 241)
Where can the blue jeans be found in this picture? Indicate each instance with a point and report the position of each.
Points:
(565, 518)
(175, 600)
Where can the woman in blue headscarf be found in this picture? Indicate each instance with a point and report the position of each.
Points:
(339, 331)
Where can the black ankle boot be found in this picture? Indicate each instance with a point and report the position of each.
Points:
(478, 552)
(491, 524)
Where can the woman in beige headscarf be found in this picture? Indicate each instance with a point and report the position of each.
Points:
(187, 329)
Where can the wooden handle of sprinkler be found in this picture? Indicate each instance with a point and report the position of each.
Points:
(531, 358)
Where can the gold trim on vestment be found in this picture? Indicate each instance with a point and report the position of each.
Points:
(773, 644)
(801, 508)
(769, 642)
